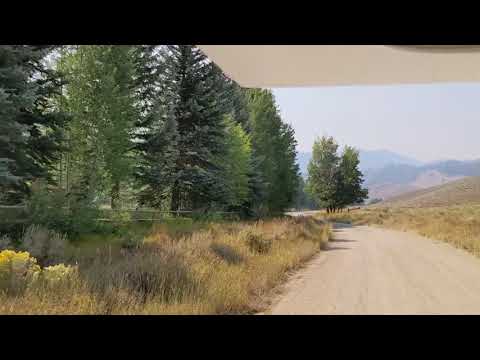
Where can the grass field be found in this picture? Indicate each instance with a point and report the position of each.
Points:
(173, 268)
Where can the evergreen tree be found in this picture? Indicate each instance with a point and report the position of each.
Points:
(146, 79)
(236, 105)
(288, 171)
(30, 127)
(195, 86)
(192, 101)
(159, 152)
(156, 130)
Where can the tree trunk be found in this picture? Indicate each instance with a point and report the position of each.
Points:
(175, 204)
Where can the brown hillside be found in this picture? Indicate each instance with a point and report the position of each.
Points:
(460, 192)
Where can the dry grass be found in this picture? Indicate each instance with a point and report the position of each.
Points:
(461, 192)
(457, 225)
(226, 268)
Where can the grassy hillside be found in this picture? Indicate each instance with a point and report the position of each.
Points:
(395, 179)
(460, 192)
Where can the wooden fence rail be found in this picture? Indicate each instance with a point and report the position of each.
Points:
(14, 214)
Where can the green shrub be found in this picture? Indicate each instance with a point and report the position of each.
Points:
(82, 219)
(48, 208)
(120, 217)
(12, 214)
(207, 216)
(131, 240)
(55, 209)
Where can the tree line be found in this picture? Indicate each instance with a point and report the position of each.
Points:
(145, 125)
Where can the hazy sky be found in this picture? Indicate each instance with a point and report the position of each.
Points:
(427, 122)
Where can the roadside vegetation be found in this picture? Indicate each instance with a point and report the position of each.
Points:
(96, 140)
(457, 225)
(166, 268)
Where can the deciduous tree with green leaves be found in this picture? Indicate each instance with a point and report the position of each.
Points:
(334, 181)
(275, 179)
(236, 165)
(323, 172)
(100, 97)
(351, 178)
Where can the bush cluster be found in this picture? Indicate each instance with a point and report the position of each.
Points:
(20, 270)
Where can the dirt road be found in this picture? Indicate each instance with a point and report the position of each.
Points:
(367, 270)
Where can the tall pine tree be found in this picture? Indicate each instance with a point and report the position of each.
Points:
(158, 149)
(146, 79)
(30, 127)
(288, 177)
(191, 102)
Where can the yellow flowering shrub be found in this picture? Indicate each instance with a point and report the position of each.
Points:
(17, 270)
(56, 273)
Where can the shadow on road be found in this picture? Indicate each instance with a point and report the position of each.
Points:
(332, 248)
(341, 241)
(338, 225)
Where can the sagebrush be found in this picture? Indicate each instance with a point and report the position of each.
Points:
(223, 268)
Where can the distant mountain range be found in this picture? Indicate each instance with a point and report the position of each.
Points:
(377, 159)
(389, 174)
(369, 159)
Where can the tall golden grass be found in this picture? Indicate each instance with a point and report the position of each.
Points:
(226, 268)
(457, 225)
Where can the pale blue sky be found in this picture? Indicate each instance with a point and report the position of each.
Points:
(427, 122)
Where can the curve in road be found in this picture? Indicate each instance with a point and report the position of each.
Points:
(367, 270)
